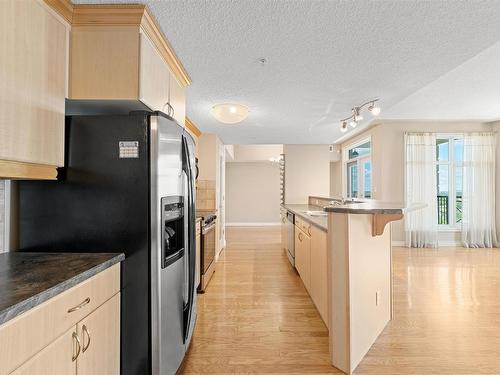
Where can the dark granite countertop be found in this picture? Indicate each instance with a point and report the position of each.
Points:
(28, 279)
(300, 209)
(374, 207)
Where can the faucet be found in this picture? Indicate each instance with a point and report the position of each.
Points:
(337, 203)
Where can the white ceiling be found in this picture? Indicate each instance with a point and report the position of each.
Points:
(324, 57)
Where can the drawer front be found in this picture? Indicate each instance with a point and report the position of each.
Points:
(27, 334)
(303, 224)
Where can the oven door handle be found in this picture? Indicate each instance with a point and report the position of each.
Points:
(208, 228)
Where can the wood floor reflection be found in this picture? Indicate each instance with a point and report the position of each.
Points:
(257, 318)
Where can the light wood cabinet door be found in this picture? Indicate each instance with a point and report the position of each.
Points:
(303, 257)
(99, 334)
(154, 76)
(177, 98)
(55, 359)
(198, 261)
(33, 55)
(319, 276)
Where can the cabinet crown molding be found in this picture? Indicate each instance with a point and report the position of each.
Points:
(123, 15)
(192, 127)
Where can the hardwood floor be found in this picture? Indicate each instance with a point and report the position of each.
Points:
(257, 318)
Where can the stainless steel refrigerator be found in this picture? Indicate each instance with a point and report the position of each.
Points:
(127, 186)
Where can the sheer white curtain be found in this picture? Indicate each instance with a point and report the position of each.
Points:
(478, 222)
(421, 187)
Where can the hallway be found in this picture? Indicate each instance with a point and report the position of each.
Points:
(257, 318)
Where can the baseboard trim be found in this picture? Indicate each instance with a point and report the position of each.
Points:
(252, 224)
(440, 244)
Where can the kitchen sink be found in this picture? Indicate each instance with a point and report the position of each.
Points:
(316, 213)
(339, 203)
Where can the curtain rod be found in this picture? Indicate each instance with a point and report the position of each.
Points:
(472, 132)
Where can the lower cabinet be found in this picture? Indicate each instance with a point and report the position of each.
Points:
(311, 264)
(303, 257)
(90, 347)
(99, 335)
(55, 359)
(77, 331)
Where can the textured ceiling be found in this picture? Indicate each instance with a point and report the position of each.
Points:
(323, 58)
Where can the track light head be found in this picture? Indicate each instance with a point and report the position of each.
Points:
(343, 127)
(374, 110)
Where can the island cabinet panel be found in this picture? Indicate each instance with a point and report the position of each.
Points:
(33, 56)
(319, 272)
(100, 340)
(55, 359)
(26, 335)
(303, 257)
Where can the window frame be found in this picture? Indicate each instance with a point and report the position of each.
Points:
(359, 161)
(452, 164)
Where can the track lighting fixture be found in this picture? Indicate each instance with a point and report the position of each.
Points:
(356, 116)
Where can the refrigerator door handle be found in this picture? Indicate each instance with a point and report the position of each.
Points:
(191, 238)
(187, 255)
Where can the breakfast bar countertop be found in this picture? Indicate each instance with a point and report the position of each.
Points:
(374, 207)
(29, 279)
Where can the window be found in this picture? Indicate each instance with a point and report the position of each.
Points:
(449, 168)
(358, 167)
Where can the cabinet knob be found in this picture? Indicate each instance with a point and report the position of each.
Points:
(300, 237)
(78, 346)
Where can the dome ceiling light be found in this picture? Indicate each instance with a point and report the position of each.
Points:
(356, 116)
(230, 113)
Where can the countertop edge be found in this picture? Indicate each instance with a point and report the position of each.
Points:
(374, 210)
(33, 301)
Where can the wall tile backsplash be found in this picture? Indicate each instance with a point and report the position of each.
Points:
(205, 194)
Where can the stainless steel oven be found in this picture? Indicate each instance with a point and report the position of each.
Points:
(207, 263)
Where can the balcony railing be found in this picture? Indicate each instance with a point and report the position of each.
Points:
(443, 209)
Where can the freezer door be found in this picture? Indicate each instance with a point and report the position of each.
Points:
(190, 309)
(168, 283)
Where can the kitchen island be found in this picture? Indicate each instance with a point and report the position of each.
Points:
(360, 276)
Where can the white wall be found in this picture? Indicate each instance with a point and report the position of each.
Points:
(336, 178)
(388, 160)
(252, 193)
(248, 153)
(307, 172)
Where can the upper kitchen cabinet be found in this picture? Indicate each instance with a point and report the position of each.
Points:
(33, 71)
(119, 53)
